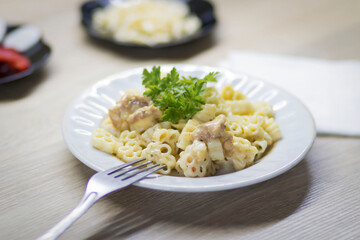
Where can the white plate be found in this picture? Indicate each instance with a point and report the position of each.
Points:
(83, 115)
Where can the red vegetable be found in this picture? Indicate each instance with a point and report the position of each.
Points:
(12, 62)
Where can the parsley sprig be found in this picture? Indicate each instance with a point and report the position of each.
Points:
(178, 98)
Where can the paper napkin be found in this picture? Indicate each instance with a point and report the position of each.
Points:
(330, 89)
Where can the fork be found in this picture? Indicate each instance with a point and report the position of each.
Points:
(99, 185)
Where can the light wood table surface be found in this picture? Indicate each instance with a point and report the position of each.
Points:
(41, 181)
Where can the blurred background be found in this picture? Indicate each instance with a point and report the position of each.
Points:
(320, 29)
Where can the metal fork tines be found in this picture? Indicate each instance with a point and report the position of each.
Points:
(101, 184)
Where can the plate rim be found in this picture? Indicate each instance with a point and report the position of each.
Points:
(144, 183)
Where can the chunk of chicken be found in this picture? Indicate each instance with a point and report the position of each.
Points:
(144, 118)
(215, 129)
(127, 104)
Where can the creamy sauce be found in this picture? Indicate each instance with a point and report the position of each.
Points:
(144, 112)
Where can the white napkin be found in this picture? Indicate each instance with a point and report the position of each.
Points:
(330, 89)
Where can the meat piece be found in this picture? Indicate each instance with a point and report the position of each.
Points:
(144, 118)
(215, 129)
(210, 130)
(128, 104)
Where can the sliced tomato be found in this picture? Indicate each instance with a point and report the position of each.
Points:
(12, 62)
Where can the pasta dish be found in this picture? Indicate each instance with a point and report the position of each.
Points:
(147, 22)
(192, 129)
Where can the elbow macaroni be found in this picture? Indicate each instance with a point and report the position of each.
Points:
(230, 132)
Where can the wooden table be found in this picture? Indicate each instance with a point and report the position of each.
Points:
(41, 181)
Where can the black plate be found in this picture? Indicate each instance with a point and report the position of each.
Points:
(38, 54)
(203, 9)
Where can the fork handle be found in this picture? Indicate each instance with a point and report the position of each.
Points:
(86, 202)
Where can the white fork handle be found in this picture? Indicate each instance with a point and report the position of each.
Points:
(86, 202)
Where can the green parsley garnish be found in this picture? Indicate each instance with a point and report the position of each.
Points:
(178, 98)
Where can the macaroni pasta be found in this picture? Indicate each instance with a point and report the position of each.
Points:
(229, 132)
